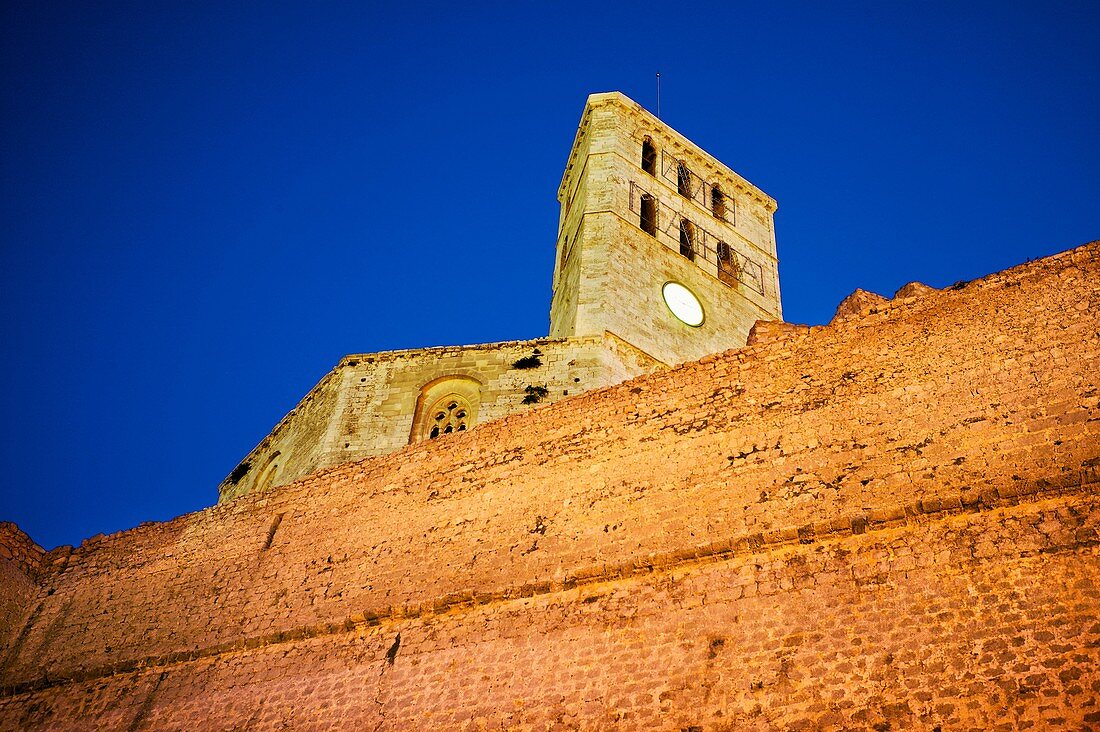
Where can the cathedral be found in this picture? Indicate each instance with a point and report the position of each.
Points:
(664, 255)
(675, 512)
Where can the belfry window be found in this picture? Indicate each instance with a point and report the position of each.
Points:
(649, 214)
(649, 157)
(718, 203)
(683, 180)
(728, 267)
(687, 239)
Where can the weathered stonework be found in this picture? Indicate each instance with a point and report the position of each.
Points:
(609, 270)
(891, 522)
(370, 403)
(859, 302)
(20, 562)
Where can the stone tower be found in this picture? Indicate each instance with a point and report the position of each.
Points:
(643, 207)
(650, 226)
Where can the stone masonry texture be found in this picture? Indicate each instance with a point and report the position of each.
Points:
(890, 522)
(20, 561)
(609, 272)
(365, 406)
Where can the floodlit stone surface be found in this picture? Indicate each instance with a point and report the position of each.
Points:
(885, 523)
(375, 403)
(20, 561)
(859, 302)
(610, 272)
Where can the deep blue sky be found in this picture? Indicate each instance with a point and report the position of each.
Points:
(205, 206)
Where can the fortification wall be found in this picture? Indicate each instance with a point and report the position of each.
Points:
(975, 621)
(919, 477)
(20, 562)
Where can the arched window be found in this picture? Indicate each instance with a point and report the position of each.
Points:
(449, 414)
(649, 157)
(446, 405)
(649, 214)
(687, 239)
(729, 269)
(718, 203)
(683, 180)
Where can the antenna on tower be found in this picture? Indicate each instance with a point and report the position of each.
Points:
(658, 95)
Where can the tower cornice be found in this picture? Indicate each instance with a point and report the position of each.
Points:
(679, 143)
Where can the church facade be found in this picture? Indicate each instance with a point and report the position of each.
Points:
(663, 255)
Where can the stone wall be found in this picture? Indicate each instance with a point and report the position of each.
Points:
(366, 406)
(20, 562)
(976, 621)
(887, 523)
(295, 447)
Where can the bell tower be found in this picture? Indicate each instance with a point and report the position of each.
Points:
(658, 243)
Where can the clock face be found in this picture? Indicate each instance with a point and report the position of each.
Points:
(683, 304)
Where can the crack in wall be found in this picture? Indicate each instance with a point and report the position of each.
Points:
(271, 531)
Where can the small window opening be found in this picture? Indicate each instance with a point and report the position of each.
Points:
(728, 267)
(718, 203)
(445, 406)
(683, 180)
(649, 214)
(449, 416)
(687, 239)
(649, 157)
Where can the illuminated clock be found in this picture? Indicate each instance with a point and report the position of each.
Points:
(683, 304)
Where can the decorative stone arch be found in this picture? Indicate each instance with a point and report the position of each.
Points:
(267, 475)
(445, 405)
